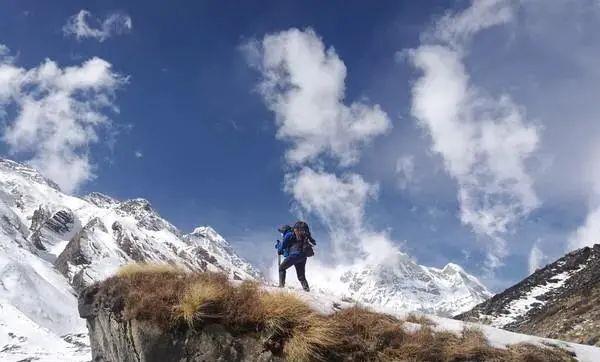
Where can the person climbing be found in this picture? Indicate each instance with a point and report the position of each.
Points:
(296, 246)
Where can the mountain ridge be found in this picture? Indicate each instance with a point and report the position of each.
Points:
(559, 300)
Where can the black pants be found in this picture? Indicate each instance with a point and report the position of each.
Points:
(300, 264)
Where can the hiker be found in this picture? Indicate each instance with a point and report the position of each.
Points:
(296, 247)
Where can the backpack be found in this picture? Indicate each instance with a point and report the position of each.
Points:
(307, 240)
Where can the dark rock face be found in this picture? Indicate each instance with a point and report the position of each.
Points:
(128, 243)
(566, 301)
(79, 252)
(114, 339)
(46, 226)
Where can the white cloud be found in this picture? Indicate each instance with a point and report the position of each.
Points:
(457, 29)
(303, 84)
(484, 141)
(138, 154)
(405, 171)
(57, 113)
(587, 234)
(339, 203)
(537, 258)
(79, 26)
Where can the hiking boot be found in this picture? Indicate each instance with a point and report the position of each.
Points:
(281, 279)
(304, 284)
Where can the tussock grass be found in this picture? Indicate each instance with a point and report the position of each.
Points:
(202, 301)
(289, 327)
(419, 319)
(137, 268)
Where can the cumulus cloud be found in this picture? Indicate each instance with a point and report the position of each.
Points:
(484, 141)
(537, 258)
(55, 114)
(457, 29)
(82, 25)
(303, 83)
(587, 234)
(339, 203)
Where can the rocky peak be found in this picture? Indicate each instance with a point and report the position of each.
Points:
(26, 172)
(452, 268)
(50, 228)
(205, 240)
(146, 217)
(206, 235)
(101, 200)
(402, 284)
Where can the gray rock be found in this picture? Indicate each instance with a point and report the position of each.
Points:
(115, 339)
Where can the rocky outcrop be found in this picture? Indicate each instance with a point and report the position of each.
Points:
(114, 339)
(561, 300)
(49, 228)
(145, 215)
(79, 254)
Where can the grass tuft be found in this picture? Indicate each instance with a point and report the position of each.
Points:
(133, 269)
(419, 319)
(202, 301)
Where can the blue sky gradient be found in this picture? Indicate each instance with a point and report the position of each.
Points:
(194, 137)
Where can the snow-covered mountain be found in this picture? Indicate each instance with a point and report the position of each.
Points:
(52, 245)
(561, 300)
(399, 283)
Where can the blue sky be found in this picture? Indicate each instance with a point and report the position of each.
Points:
(195, 134)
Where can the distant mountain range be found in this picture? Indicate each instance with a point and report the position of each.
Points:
(401, 284)
(561, 300)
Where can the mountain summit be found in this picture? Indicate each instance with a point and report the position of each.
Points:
(400, 284)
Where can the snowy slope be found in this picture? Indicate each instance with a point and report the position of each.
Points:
(558, 300)
(53, 245)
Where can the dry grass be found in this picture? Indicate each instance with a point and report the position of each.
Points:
(136, 268)
(202, 301)
(419, 319)
(175, 299)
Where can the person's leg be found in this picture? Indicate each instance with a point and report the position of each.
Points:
(300, 273)
(287, 262)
